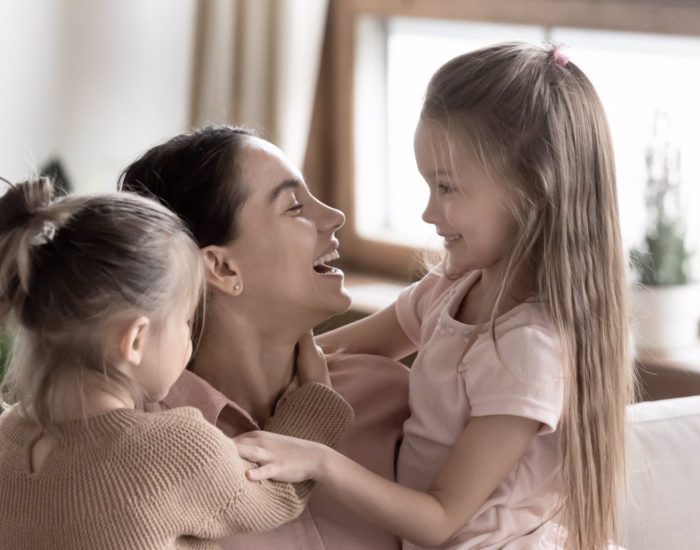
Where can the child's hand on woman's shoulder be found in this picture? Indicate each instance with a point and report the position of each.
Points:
(281, 457)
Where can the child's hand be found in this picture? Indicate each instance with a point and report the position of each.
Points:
(280, 457)
(311, 363)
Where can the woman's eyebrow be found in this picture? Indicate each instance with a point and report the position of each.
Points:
(291, 183)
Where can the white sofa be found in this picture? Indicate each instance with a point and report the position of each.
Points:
(662, 508)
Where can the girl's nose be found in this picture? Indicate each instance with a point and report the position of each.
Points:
(429, 214)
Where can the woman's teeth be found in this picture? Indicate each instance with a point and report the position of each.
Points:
(327, 258)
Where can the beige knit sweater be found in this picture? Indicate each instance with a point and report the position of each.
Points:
(134, 480)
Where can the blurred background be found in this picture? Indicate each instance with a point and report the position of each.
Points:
(88, 85)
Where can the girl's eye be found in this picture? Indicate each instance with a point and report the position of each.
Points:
(444, 188)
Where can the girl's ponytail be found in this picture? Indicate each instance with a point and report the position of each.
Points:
(71, 272)
(27, 220)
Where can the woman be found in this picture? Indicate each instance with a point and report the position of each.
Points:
(266, 243)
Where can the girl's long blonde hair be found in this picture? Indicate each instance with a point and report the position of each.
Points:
(534, 118)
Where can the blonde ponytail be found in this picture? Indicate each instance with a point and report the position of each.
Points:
(70, 271)
(27, 220)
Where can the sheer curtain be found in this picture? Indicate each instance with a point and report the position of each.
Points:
(257, 64)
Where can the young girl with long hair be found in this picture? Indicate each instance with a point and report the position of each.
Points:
(517, 431)
(100, 293)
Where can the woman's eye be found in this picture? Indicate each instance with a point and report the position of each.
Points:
(296, 209)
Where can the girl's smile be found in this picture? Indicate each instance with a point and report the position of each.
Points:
(468, 208)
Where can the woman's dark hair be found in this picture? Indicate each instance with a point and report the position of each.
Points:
(197, 176)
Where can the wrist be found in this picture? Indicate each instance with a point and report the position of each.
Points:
(324, 379)
(325, 462)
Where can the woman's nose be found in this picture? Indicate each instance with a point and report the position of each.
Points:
(332, 219)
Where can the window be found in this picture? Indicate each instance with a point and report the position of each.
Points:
(648, 82)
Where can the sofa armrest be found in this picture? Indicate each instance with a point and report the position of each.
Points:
(662, 506)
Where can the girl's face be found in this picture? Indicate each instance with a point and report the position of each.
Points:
(468, 209)
(168, 349)
(284, 233)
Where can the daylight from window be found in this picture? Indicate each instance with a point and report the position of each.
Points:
(649, 85)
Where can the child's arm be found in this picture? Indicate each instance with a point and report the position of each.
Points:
(487, 450)
(378, 334)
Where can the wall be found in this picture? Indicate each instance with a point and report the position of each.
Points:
(28, 84)
(95, 83)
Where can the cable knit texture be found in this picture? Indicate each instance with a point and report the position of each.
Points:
(134, 480)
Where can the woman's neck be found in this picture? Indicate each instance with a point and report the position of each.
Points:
(250, 367)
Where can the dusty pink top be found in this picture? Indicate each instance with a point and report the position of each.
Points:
(377, 389)
(447, 388)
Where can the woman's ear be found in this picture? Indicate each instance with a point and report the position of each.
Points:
(133, 340)
(221, 270)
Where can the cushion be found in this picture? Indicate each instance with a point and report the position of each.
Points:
(662, 507)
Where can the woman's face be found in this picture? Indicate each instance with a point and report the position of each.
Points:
(284, 233)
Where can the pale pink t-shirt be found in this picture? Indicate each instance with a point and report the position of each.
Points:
(447, 388)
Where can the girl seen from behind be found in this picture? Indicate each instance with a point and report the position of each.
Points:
(518, 391)
(101, 292)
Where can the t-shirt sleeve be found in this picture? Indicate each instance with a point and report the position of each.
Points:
(525, 378)
(412, 304)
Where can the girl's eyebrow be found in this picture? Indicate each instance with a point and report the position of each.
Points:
(439, 172)
(291, 183)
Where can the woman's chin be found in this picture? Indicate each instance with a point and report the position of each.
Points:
(344, 302)
(337, 304)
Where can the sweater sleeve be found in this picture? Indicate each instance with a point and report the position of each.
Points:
(314, 412)
(221, 501)
(213, 498)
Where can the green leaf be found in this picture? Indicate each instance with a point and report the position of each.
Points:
(5, 346)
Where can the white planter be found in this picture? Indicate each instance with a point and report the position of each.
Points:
(665, 318)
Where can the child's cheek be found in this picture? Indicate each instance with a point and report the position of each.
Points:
(457, 217)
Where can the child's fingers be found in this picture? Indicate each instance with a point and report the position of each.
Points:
(311, 362)
(308, 349)
(252, 453)
(266, 471)
(250, 438)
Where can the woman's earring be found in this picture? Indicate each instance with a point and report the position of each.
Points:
(237, 288)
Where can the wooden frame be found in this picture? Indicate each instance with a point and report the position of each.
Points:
(653, 16)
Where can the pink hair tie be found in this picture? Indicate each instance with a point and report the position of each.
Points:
(559, 57)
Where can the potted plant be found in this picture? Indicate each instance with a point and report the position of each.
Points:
(5, 345)
(666, 300)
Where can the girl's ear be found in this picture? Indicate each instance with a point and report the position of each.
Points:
(221, 270)
(133, 340)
